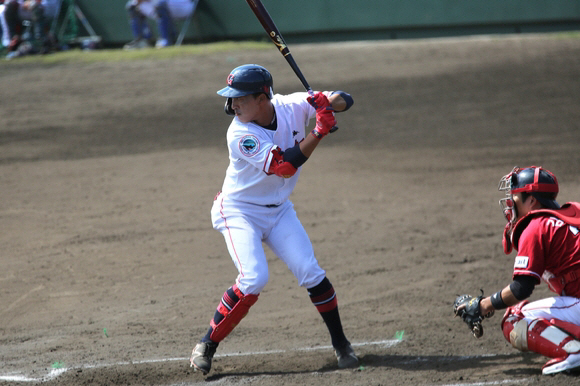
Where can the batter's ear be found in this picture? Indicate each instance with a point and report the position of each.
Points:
(262, 98)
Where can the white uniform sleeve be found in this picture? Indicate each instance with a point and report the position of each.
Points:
(253, 146)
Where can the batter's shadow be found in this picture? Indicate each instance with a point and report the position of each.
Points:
(528, 365)
(306, 369)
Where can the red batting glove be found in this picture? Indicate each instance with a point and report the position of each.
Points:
(318, 100)
(325, 121)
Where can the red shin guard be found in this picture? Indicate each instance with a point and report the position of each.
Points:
(539, 336)
(570, 328)
(231, 317)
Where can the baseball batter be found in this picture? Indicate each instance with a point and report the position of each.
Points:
(268, 143)
(547, 240)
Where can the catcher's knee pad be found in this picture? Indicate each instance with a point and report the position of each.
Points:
(232, 311)
(515, 331)
(539, 336)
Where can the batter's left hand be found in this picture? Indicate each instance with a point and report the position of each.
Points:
(319, 101)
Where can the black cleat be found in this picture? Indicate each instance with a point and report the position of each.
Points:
(202, 355)
(346, 357)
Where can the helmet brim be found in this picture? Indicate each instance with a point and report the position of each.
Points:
(229, 92)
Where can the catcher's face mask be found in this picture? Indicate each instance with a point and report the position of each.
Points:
(508, 207)
(507, 204)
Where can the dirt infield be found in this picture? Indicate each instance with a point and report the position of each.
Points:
(111, 270)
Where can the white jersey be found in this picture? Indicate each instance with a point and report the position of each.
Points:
(250, 152)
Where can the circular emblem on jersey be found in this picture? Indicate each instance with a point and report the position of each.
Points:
(249, 145)
(230, 79)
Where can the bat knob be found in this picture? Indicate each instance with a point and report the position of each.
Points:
(333, 129)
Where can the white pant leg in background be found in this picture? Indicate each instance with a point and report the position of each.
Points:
(5, 33)
(179, 9)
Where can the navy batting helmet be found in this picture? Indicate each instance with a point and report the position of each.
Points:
(248, 79)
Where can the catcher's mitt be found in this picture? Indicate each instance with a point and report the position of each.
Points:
(467, 307)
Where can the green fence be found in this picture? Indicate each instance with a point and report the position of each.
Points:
(316, 20)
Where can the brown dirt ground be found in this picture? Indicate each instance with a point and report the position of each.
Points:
(108, 172)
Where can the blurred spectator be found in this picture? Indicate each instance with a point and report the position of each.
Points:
(163, 12)
(28, 26)
(4, 34)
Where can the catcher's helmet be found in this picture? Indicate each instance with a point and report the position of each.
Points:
(248, 79)
(534, 180)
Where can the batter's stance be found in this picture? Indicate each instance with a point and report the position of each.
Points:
(268, 143)
(547, 240)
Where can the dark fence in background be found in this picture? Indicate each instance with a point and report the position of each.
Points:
(335, 20)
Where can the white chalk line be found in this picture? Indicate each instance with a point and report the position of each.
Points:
(505, 382)
(57, 372)
(54, 373)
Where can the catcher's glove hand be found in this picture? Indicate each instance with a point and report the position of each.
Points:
(467, 307)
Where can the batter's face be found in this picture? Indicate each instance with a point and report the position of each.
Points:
(247, 108)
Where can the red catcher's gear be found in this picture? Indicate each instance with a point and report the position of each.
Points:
(554, 339)
(569, 213)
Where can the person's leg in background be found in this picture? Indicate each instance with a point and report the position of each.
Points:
(139, 27)
(165, 24)
(4, 34)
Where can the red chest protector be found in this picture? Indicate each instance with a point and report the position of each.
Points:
(569, 213)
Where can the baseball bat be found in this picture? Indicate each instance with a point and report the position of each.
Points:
(266, 20)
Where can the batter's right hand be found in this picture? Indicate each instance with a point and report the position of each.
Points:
(325, 122)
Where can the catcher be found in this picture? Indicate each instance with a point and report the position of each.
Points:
(547, 240)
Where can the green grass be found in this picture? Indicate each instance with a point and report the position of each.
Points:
(116, 55)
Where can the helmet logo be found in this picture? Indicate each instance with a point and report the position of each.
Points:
(230, 79)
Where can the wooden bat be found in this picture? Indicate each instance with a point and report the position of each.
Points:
(266, 20)
(276, 37)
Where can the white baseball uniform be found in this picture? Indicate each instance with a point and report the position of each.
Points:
(254, 207)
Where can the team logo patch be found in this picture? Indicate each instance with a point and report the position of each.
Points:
(249, 145)
(230, 79)
(521, 262)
